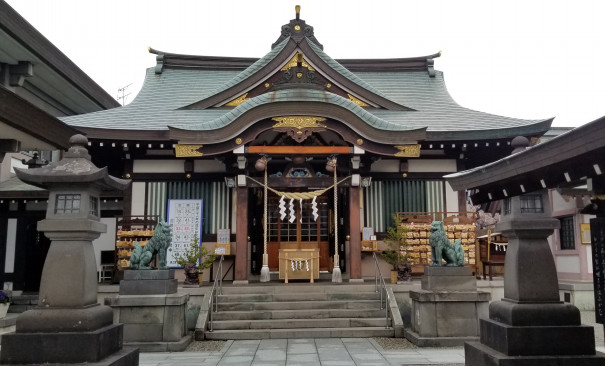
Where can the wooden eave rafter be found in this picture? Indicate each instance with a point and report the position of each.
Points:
(175, 60)
(421, 63)
(564, 161)
(181, 61)
(24, 116)
(31, 39)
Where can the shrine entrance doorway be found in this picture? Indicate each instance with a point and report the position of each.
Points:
(304, 232)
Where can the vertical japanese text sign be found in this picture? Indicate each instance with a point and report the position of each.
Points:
(597, 233)
(185, 219)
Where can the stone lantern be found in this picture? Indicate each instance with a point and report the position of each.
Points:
(68, 325)
(530, 325)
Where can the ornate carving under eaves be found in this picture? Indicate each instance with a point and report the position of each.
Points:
(299, 128)
(185, 150)
(237, 101)
(407, 151)
(357, 101)
(294, 62)
(298, 121)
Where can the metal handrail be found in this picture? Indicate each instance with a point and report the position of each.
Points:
(217, 289)
(381, 286)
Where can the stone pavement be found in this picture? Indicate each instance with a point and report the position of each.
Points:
(318, 351)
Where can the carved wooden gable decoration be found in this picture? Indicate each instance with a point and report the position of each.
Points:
(297, 61)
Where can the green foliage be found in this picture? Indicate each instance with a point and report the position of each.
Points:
(196, 254)
(397, 254)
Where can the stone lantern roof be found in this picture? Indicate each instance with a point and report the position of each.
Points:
(75, 168)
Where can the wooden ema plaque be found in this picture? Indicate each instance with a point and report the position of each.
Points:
(299, 264)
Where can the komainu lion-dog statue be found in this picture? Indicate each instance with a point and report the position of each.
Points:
(158, 244)
(442, 249)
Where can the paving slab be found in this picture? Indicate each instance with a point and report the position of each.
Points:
(305, 352)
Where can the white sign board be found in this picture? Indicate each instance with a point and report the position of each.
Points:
(223, 236)
(185, 219)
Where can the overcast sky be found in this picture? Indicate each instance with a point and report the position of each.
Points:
(527, 59)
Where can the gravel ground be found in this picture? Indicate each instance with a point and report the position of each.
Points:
(205, 346)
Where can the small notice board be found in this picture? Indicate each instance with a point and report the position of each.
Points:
(185, 219)
(223, 242)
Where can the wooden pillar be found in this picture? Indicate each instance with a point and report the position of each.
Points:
(241, 236)
(462, 201)
(354, 232)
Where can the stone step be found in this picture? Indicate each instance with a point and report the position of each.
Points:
(299, 314)
(359, 332)
(312, 296)
(298, 288)
(299, 323)
(298, 305)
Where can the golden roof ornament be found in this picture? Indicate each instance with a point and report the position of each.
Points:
(297, 7)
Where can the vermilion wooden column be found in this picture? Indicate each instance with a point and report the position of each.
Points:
(355, 233)
(241, 236)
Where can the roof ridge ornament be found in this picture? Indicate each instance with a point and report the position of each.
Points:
(298, 30)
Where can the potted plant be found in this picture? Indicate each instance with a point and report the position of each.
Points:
(194, 260)
(5, 301)
(397, 255)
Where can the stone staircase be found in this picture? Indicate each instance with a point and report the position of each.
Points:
(299, 310)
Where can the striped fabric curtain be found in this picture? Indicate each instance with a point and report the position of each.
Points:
(384, 198)
(216, 196)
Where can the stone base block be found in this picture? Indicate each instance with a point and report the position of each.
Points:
(53, 320)
(149, 274)
(162, 346)
(447, 315)
(152, 318)
(478, 354)
(437, 341)
(537, 340)
(65, 347)
(148, 287)
(438, 278)
(447, 271)
(519, 314)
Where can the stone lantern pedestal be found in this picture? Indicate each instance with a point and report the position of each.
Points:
(530, 325)
(68, 325)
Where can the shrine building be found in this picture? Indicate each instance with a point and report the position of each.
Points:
(385, 131)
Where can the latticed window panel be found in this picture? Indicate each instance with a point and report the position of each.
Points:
(384, 198)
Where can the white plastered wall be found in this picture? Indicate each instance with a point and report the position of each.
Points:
(138, 198)
(451, 199)
(158, 166)
(432, 165)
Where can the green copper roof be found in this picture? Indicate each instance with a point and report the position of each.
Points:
(253, 68)
(293, 95)
(158, 105)
(344, 71)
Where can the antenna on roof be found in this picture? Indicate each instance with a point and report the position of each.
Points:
(297, 7)
(122, 98)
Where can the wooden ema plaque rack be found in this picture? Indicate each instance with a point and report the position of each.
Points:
(128, 230)
(457, 225)
(299, 264)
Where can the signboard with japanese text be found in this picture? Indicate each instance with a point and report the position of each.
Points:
(185, 219)
(597, 233)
